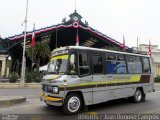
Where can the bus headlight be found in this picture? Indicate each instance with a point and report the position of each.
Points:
(55, 90)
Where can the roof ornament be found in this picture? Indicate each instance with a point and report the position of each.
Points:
(86, 23)
(75, 24)
(64, 20)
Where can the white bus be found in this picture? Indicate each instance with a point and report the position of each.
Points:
(81, 76)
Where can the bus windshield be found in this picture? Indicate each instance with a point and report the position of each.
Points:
(58, 64)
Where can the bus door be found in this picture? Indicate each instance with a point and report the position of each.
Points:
(99, 88)
(84, 67)
(85, 75)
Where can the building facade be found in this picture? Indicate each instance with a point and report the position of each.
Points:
(4, 66)
(155, 54)
(64, 34)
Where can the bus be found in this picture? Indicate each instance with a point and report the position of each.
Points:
(80, 76)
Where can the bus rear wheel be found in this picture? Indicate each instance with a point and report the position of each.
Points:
(139, 96)
(72, 104)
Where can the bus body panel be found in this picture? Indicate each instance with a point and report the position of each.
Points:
(98, 88)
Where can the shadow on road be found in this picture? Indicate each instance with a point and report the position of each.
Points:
(97, 107)
(53, 110)
(109, 104)
(118, 106)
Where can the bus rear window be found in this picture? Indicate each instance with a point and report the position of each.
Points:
(146, 65)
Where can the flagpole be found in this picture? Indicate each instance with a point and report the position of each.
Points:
(137, 45)
(149, 51)
(77, 38)
(32, 58)
(139, 42)
(56, 37)
(24, 47)
(32, 46)
(124, 46)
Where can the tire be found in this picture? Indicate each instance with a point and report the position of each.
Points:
(72, 104)
(139, 96)
(143, 97)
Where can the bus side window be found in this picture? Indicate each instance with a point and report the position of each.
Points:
(138, 64)
(116, 64)
(146, 65)
(72, 65)
(134, 64)
(97, 64)
(111, 57)
(121, 64)
(83, 64)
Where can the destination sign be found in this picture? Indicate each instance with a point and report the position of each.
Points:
(60, 52)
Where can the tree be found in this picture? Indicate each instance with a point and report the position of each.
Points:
(41, 51)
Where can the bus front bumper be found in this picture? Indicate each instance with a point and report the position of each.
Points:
(54, 101)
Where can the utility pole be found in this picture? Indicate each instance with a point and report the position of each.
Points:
(137, 45)
(24, 49)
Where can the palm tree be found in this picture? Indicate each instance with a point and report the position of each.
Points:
(41, 51)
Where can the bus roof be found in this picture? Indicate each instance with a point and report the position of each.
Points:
(95, 49)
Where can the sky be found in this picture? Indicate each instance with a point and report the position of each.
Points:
(115, 18)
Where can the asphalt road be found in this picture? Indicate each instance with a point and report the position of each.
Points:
(34, 109)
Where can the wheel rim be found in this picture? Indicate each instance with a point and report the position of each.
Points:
(138, 95)
(73, 104)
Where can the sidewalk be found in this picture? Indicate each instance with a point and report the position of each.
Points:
(157, 86)
(7, 101)
(17, 85)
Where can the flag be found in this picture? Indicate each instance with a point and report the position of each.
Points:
(77, 39)
(149, 49)
(33, 38)
(123, 45)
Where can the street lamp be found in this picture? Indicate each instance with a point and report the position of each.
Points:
(24, 48)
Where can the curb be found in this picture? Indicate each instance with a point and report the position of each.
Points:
(7, 101)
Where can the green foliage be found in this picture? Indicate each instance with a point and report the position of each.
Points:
(13, 77)
(41, 51)
(157, 79)
(30, 76)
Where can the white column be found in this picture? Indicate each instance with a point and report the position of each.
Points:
(3, 67)
(7, 72)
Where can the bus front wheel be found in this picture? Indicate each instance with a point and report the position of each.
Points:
(72, 103)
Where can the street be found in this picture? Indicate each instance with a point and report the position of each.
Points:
(34, 109)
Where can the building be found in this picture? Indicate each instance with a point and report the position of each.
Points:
(143, 48)
(63, 34)
(4, 62)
